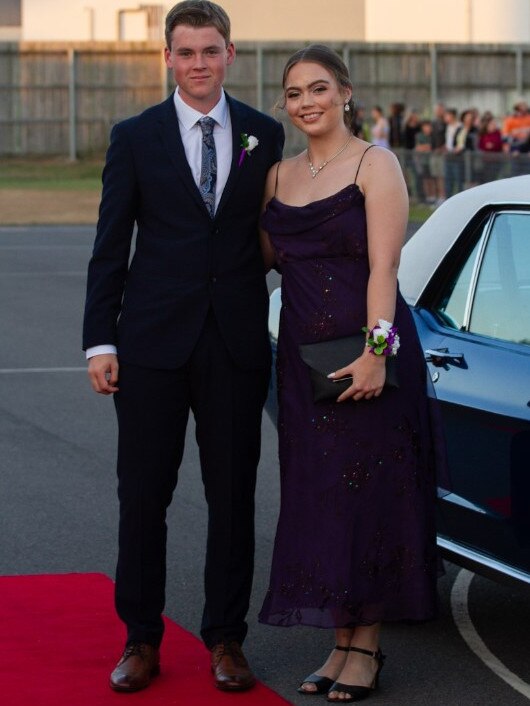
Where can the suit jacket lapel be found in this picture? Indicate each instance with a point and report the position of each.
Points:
(236, 119)
(170, 132)
(171, 136)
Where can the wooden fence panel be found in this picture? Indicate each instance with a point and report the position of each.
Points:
(64, 98)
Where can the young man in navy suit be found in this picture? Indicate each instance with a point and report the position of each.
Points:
(183, 325)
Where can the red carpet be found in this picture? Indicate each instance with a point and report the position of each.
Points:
(61, 638)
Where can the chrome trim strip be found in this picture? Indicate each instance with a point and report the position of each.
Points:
(463, 502)
(482, 564)
(484, 238)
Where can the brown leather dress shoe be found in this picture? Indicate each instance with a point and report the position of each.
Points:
(138, 665)
(230, 668)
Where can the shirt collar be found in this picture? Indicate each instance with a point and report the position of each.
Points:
(188, 116)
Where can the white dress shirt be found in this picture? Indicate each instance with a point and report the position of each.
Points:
(450, 132)
(191, 134)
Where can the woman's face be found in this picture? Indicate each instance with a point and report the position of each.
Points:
(313, 98)
(492, 125)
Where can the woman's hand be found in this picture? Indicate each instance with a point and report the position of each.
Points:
(368, 372)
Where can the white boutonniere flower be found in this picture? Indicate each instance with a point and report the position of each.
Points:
(248, 142)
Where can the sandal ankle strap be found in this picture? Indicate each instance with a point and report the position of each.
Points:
(374, 655)
(341, 648)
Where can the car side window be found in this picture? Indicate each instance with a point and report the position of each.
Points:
(501, 302)
(452, 306)
(488, 291)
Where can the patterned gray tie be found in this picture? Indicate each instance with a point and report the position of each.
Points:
(208, 165)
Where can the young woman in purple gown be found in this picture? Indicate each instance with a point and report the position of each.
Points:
(355, 543)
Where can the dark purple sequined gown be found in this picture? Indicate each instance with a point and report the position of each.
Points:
(355, 542)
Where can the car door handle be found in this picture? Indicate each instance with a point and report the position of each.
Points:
(441, 356)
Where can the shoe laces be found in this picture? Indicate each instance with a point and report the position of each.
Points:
(134, 649)
(230, 649)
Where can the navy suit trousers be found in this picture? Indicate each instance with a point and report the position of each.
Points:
(153, 407)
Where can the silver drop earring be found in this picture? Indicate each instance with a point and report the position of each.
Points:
(346, 107)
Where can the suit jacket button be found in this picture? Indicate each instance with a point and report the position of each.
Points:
(213, 279)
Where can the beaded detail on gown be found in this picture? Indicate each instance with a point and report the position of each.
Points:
(355, 541)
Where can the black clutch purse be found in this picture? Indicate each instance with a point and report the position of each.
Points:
(325, 357)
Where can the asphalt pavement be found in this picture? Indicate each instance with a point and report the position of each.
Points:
(58, 509)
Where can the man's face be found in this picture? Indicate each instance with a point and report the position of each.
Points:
(198, 58)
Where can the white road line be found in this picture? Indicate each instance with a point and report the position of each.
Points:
(51, 246)
(459, 603)
(14, 371)
(47, 273)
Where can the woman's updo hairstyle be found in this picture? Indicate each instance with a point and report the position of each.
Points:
(330, 60)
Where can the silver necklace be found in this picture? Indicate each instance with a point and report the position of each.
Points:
(315, 171)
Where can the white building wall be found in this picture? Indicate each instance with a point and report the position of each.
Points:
(252, 20)
(82, 20)
(452, 21)
(501, 21)
(296, 20)
(10, 34)
(412, 21)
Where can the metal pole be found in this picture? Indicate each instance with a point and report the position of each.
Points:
(468, 174)
(259, 77)
(519, 72)
(72, 107)
(469, 21)
(91, 23)
(164, 79)
(346, 58)
(434, 74)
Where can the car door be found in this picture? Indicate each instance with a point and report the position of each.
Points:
(474, 324)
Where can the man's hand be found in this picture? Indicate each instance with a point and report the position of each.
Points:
(103, 373)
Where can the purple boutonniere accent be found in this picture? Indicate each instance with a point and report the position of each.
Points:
(248, 142)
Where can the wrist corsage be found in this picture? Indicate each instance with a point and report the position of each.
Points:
(382, 339)
(248, 142)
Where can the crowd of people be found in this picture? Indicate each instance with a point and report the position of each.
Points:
(443, 154)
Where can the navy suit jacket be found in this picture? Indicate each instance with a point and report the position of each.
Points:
(153, 306)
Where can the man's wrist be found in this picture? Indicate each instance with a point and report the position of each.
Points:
(104, 349)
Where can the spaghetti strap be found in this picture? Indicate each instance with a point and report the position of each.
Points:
(360, 162)
(277, 172)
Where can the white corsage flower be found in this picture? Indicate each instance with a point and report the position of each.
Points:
(384, 325)
(383, 339)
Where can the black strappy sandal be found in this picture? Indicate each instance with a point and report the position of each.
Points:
(322, 683)
(358, 693)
